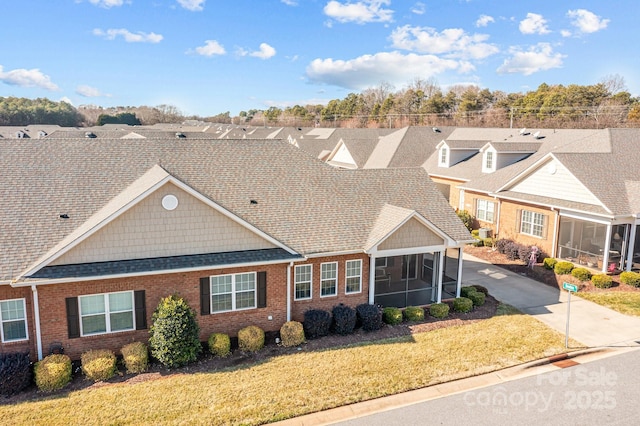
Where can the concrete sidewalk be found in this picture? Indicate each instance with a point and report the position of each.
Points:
(590, 323)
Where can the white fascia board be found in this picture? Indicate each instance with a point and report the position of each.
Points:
(333, 253)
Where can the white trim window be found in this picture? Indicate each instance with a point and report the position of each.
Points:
(444, 156)
(106, 313)
(485, 210)
(488, 160)
(234, 292)
(532, 223)
(13, 320)
(328, 279)
(353, 276)
(303, 276)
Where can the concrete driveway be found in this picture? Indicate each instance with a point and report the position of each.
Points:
(591, 324)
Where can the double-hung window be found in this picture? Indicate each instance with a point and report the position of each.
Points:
(329, 279)
(233, 292)
(488, 163)
(106, 313)
(532, 223)
(485, 210)
(353, 276)
(13, 320)
(303, 282)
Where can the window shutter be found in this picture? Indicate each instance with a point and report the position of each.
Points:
(475, 208)
(262, 289)
(205, 296)
(73, 317)
(545, 226)
(140, 309)
(518, 220)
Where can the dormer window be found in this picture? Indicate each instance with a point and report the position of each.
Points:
(488, 161)
(444, 153)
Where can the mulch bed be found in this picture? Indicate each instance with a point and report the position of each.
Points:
(209, 363)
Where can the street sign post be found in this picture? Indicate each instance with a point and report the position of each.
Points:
(571, 288)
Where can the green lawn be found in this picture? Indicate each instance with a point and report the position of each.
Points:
(292, 385)
(625, 302)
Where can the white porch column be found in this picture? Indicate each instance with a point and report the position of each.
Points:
(631, 249)
(289, 291)
(605, 253)
(372, 278)
(459, 282)
(440, 275)
(36, 320)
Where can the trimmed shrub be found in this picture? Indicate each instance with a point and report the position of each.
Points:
(15, 372)
(344, 319)
(136, 357)
(219, 344)
(481, 289)
(512, 250)
(292, 334)
(251, 339)
(317, 323)
(478, 243)
(53, 372)
(563, 268)
(392, 315)
(524, 253)
(602, 281)
(174, 336)
(439, 310)
(487, 242)
(369, 316)
(99, 364)
(549, 263)
(464, 291)
(477, 298)
(466, 218)
(501, 245)
(582, 274)
(462, 304)
(630, 278)
(414, 313)
(475, 233)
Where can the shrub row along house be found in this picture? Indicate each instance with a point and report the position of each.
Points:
(95, 231)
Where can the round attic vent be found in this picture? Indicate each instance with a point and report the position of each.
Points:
(169, 202)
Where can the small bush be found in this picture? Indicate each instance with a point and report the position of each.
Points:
(15, 372)
(292, 334)
(488, 242)
(481, 289)
(53, 372)
(582, 274)
(475, 233)
(466, 218)
(501, 245)
(512, 250)
(549, 263)
(630, 278)
(369, 316)
(439, 310)
(317, 323)
(99, 364)
(392, 315)
(414, 313)
(462, 304)
(251, 339)
(477, 298)
(344, 319)
(563, 268)
(136, 357)
(524, 253)
(602, 281)
(219, 344)
(478, 243)
(174, 336)
(464, 291)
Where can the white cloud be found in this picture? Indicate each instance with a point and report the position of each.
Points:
(453, 42)
(484, 20)
(27, 78)
(534, 24)
(587, 22)
(128, 36)
(192, 5)
(359, 12)
(89, 92)
(419, 8)
(369, 70)
(538, 58)
(265, 52)
(107, 4)
(210, 48)
(290, 2)
(565, 33)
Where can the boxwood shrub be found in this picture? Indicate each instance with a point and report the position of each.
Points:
(99, 364)
(344, 319)
(563, 267)
(464, 291)
(369, 316)
(392, 315)
(292, 334)
(630, 278)
(414, 313)
(317, 323)
(136, 357)
(582, 274)
(15, 372)
(53, 372)
(462, 304)
(477, 298)
(219, 344)
(481, 289)
(251, 339)
(549, 263)
(439, 310)
(602, 281)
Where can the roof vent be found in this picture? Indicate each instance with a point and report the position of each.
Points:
(90, 135)
(537, 135)
(253, 202)
(42, 134)
(64, 216)
(180, 135)
(523, 132)
(435, 130)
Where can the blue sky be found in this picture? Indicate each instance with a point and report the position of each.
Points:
(212, 56)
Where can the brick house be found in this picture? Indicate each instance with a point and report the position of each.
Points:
(95, 231)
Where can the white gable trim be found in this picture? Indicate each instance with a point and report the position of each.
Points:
(345, 158)
(76, 238)
(448, 241)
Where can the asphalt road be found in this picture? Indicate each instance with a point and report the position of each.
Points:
(605, 391)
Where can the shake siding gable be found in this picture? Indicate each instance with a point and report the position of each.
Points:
(411, 234)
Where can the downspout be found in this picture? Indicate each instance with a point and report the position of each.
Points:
(499, 203)
(36, 320)
(372, 278)
(289, 291)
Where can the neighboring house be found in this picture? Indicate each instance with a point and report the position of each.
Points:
(250, 232)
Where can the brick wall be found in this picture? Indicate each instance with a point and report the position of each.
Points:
(470, 199)
(8, 293)
(510, 225)
(454, 192)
